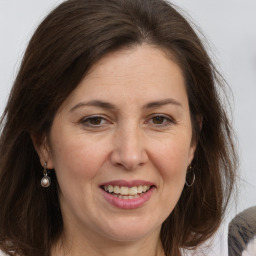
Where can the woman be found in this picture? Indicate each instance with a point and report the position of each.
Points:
(114, 140)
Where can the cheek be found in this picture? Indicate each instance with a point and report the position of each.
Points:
(172, 158)
(75, 157)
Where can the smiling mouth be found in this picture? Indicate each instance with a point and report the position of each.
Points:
(123, 192)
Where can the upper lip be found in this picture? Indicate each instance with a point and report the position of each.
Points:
(127, 183)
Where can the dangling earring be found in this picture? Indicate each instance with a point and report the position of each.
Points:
(193, 179)
(46, 180)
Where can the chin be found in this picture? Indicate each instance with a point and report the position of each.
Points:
(128, 231)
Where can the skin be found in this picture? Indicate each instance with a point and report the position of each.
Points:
(133, 140)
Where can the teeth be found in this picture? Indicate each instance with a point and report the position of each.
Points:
(125, 191)
(144, 188)
(126, 197)
(116, 190)
(139, 189)
(133, 191)
(110, 189)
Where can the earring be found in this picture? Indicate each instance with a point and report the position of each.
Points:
(46, 180)
(193, 179)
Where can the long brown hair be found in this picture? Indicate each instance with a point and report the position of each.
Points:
(68, 42)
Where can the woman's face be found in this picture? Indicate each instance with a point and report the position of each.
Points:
(121, 144)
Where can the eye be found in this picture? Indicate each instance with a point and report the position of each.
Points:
(94, 121)
(160, 120)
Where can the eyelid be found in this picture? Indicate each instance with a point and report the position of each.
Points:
(169, 119)
(85, 121)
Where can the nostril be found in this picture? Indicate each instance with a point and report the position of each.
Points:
(129, 155)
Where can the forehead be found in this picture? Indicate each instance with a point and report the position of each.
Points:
(141, 71)
(135, 60)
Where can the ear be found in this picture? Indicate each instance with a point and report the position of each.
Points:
(199, 120)
(43, 150)
(195, 137)
(191, 153)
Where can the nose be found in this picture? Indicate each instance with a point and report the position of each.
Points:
(129, 148)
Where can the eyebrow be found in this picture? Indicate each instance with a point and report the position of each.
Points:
(160, 103)
(109, 106)
(94, 103)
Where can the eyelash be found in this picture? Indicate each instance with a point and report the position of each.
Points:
(167, 121)
(87, 121)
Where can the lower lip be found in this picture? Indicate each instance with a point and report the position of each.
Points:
(128, 203)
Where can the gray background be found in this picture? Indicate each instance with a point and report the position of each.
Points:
(229, 26)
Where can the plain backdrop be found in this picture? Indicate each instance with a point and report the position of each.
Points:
(230, 29)
(229, 26)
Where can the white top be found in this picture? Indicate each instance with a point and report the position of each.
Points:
(215, 246)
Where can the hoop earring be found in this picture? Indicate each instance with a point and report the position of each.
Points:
(194, 178)
(46, 180)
